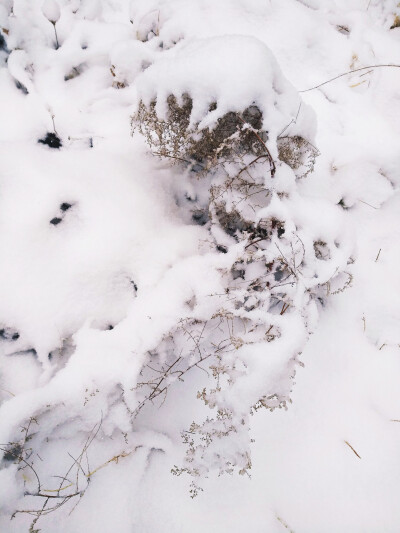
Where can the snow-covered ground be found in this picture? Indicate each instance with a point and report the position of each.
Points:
(100, 260)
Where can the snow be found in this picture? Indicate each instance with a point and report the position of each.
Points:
(222, 62)
(51, 10)
(88, 291)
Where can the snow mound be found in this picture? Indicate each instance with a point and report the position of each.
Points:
(51, 10)
(233, 72)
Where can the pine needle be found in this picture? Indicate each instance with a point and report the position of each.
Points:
(351, 447)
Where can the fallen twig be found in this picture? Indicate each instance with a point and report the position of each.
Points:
(351, 447)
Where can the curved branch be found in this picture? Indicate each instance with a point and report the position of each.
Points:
(346, 74)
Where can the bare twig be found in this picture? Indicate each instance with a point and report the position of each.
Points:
(351, 447)
(346, 74)
(293, 121)
(55, 32)
(285, 525)
(57, 496)
(285, 307)
(272, 162)
(366, 203)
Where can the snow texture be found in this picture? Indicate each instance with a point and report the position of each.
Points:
(162, 309)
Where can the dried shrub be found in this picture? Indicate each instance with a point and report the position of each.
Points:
(396, 22)
(172, 137)
(212, 346)
(299, 154)
(260, 284)
(321, 250)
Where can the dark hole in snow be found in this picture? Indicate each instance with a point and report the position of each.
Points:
(222, 249)
(200, 217)
(280, 232)
(342, 29)
(51, 140)
(66, 348)
(21, 87)
(3, 45)
(196, 167)
(343, 204)
(233, 222)
(190, 198)
(238, 273)
(109, 327)
(248, 305)
(29, 351)
(134, 285)
(278, 274)
(65, 206)
(13, 452)
(74, 73)
(396, 22)
(253, 116)
(55, 221)
(9, 334)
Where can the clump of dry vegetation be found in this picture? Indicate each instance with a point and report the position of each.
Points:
(299, 154)
(175, 138)
(261, 280)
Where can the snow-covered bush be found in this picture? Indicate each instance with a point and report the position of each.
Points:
(221, 125)
(218, 272)
(152, 290)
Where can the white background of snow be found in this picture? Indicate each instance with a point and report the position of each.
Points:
(303, 472)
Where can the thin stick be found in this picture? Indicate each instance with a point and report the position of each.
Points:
(351, 447)
(271, 161)
(255, 242)
(21, 459)
(285, 307)
(54, 125)
(285, 525)
(369, 205)
(294, 120)
(55, 31)
(5, 390)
